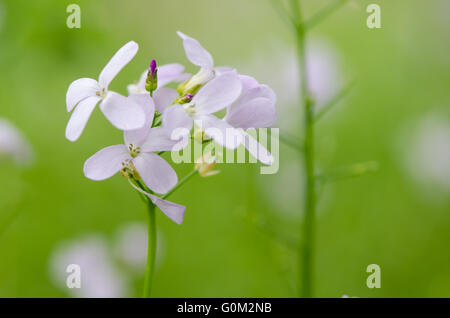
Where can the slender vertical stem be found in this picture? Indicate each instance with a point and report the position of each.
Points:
(151, 250)
(307, 243)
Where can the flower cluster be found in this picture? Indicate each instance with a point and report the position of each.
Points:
(156, 118)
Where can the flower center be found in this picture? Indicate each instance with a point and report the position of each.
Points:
(134, 150)
(189, 108)
(101, 93)
(129, 170)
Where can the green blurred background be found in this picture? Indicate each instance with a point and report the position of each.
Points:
(397, 217)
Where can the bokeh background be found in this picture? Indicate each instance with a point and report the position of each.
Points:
(232, 243)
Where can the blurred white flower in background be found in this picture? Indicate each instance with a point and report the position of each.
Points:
(425, 147)
(277, 66)
(101, 264)
(99, 276)
(131, 246)
(13, 144)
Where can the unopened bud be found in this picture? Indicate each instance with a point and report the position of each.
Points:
(184, 99)
(151, 83)
(205, 165)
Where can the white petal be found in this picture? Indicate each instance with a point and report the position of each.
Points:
(138, 136)
(159, 140)
(257, 150)
(195, 52)
(176, 122)
(224, 69)
(122, 112)
(157, 174)
(248, 82)
(80, 117)
(169, 73)
(217, 94)
(173, 211)
(164, 97)
(122, 57)
(256, 113)
(106, 163)
(256, 92)
(80, 89)
(139, 87)
(220, 131)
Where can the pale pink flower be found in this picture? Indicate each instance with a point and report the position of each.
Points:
(99, 276)
(255, 108)
(216, 95)
(138, 154)
(85, 93)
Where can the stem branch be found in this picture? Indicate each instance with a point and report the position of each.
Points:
(180, 183)
(306, 249)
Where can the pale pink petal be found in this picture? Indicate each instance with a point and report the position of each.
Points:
(176, 122)
(224, 69)
(106, 163)
(157, 174)
(255, 92)
(173, 211)
(80, 89)
(159, 140)
(164, 97)
(196, 53)
(139, 87)
(80, 117)
(122, 112)
(122, 57)
(220, 131)
(257, 150)
(138, 136)
(256, 113)
(217, 94)
(169, 73)
(248, 82)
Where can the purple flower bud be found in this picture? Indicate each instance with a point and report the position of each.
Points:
(152, 67)
(189, 96)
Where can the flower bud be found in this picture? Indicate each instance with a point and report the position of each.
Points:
(192, 85)
(151, 83)
(205, 165)
(184, 99)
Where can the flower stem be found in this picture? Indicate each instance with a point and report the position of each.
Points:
(180, 183)
(306, 247)
(151, 250)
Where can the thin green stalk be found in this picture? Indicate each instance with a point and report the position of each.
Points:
(291, 141)
(151, 250)
(324, 13)
(306, 251)
(180, 183)
(336, 100)
(284, 14)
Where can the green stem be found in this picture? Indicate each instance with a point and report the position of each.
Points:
(151, 250)
(180, 183)
(306, 250)
(324, 13)
(291, 141)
